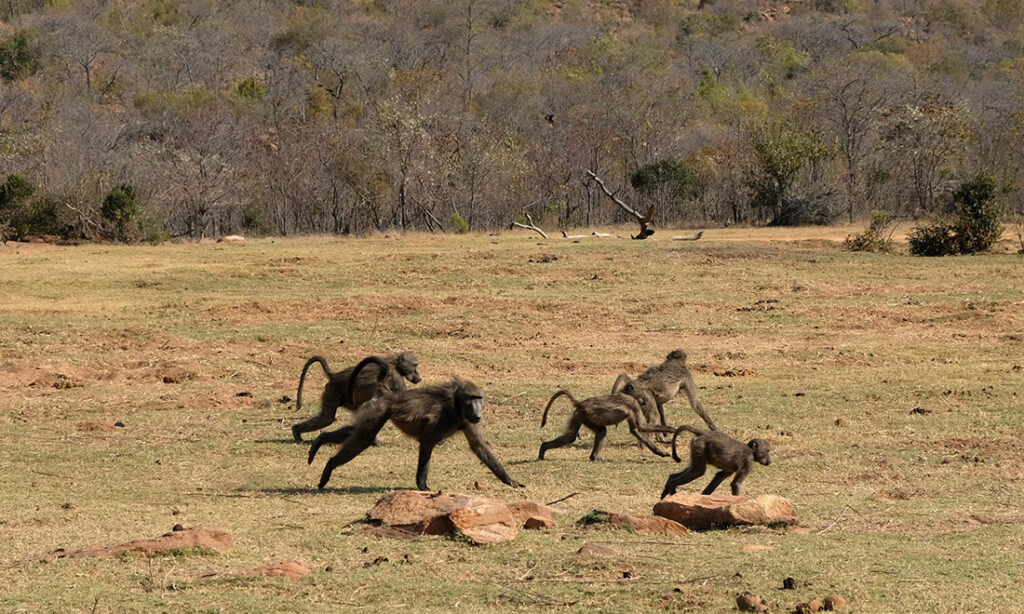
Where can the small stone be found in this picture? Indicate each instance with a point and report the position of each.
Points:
(789, 584)
(119, 424)
(842, 422)
(749, 602)
(178, 527)
(836, 602)
(814, 605)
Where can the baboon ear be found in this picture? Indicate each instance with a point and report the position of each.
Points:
(753, 444)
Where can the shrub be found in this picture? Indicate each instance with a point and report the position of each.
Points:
(460, 224)
(877, 237)
(121, 209)
(976, 228)
(936, 239)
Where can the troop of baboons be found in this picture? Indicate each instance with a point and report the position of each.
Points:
(374, 391)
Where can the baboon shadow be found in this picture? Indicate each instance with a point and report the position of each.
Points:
(313, 490)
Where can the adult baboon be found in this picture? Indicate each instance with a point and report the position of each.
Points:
(664, 382)
(338, 392)
(597, 414)
(719, 450)
(429, 415)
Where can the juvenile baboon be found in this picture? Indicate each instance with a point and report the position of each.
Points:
(664, 382)
(719, 450)
(397, 368)
(597, 414)
(429, 415)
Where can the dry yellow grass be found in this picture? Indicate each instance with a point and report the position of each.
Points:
(786, 333)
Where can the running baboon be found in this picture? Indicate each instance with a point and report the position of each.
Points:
(597, 414)
(397, 367)
(719, 450)
(429, 414)
(664, 382)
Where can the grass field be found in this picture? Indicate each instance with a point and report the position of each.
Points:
(192, 347)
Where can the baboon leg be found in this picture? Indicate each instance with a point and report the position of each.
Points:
(335, 436)
(423, 464)
(685, 476)
(599, 435)
(328, 411)
(637, 432)
(569, 435)
(715, 481)
(736, 481)
(362, 432)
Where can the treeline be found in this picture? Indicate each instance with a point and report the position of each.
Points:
(156, 118)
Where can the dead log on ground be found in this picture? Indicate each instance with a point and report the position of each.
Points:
(643, 220)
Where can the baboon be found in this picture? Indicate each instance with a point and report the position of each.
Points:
(664, 382)
(429, 414)
(719, 450)
(597, 414)
(397, 367)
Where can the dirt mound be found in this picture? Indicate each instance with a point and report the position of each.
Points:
(709, 511)
(209, 538)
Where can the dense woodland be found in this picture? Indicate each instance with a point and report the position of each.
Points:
(189, 118)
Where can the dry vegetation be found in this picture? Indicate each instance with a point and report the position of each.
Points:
(192, 347)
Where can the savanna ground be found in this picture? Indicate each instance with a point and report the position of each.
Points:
(902, 511)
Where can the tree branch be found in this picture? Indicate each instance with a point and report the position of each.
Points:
(643, 220)
(530, 226)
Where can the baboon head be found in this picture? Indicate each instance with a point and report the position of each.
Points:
(406, 365)
(761, 450)
(676, 355)
(469, 401)
(641, 394)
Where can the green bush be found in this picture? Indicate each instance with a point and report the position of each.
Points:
(121, 208)
(938, 239)
(460, 224)
(877, 237)
(976, 228)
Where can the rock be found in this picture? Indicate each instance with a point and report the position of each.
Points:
(530, 515)
(842, 422)
(749, 602)
(597, 550)
(293, 570)
(707, 511)
(835, 602)
(210, 538)
(231, 239)
(648, 525)
(814, 605)
(482, 520)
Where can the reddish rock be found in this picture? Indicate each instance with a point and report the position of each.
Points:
(749, 602)
(530, 515)
(211, 538)
(596, 550)
(293, 570)
(707, 511)
(835, 602)
(482, 520)
(648, 525)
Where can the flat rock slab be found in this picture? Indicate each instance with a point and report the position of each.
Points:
(210, 538)
(481, 519)
(710, 511)
(648, 525)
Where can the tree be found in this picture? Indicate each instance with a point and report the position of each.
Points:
(780, 156)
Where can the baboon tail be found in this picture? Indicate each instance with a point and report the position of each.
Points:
(384, 370)
(544, 418)
(621, 379)
(302, 378)
(685, 427)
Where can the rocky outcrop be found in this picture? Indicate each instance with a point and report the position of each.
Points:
(710, 511)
